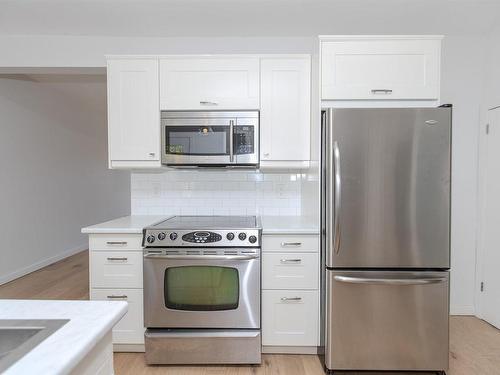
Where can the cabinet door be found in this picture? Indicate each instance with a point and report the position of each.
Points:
(133, 110)
(380, 69)
(285, 109)
(116, 269)
(209, 83)
(290, 317)
(130, 329)
(290, 270)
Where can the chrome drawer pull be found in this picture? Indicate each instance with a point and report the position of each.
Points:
(287, 299)
(381, 91)
(120, 243)
(123, 296)
(117, 258)
(204, 102)
(290, 260)
(286, 244)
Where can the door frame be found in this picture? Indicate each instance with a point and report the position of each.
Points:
(481, 175)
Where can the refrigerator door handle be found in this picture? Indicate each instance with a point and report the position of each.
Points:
(337, 196)
(382, 281)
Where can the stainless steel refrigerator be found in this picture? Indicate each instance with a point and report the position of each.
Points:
(386, 238)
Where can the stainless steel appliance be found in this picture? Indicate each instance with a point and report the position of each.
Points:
(210, 138)
(386, 238)
(202, 290)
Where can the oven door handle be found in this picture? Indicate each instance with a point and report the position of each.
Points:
(201, 257)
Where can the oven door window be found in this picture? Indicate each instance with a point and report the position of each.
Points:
(197, 140)
(201, 288)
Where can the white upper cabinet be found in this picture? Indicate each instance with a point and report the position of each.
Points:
(209, 83)
(133, 113)
(380, 68)
(285, 113)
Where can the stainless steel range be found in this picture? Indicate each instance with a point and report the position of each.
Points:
(202, 290)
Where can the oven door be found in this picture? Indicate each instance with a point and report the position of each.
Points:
(201, 291)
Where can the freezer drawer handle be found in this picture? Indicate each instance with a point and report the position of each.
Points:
(288, 244)
(290, 260)
(376, 281)
(291, 299)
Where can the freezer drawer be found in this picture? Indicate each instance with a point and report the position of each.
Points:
(387, 320)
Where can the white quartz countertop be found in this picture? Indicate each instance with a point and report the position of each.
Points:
(89, 321)
(270, 224)
(125, 224)
(289, 225)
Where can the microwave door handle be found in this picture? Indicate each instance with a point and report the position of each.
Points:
(231, 141)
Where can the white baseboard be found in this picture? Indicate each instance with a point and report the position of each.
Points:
(462, 310)
(43, 263)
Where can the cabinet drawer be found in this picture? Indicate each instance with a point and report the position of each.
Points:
(290, 271)
(290, 317)
(380, 69)
(290, 243)
(208, 83)
(116, 269)
(130, 329)
(118, 241)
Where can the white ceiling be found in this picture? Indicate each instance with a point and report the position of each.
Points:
(198, 18)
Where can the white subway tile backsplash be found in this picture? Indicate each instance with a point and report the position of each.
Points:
(216, 193)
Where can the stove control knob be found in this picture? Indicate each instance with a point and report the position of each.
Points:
(150, 238)
(161, 236)
(242, 236)
(173, 236)
(230, 236)
(252, 239)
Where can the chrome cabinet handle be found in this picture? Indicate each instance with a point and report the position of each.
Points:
(382, 91)
(117, 258)
(120, 243)
(287, 299)
(290, 260)
(123, 296)
(381, 281)
(201, 257)
(231, 141)
(288, 244)
(337, 196)
(205, 102)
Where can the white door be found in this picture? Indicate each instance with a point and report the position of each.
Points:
(380, 69)
(285, 109)
(209, 83)
(490, 237)
(133, 110)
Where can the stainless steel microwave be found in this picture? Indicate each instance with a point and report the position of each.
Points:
(210, 138)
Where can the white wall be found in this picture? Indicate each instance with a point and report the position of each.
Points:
(54, 174)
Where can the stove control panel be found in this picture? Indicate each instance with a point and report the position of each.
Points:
(201, 237)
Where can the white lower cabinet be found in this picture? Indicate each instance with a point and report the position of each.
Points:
(290, 295)
(130, 329)
(116, 274)
(285, 271)
(116, 269)
(290, 317)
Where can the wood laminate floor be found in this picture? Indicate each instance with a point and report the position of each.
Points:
(474, 344)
